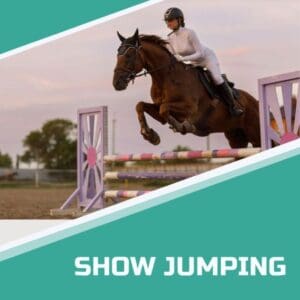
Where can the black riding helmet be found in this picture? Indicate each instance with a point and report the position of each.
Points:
(174, 13)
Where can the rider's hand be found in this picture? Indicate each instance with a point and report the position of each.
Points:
(178, 57)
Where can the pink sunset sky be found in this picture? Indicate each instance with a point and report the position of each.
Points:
(252, 39)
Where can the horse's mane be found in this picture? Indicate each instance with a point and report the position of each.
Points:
(154, 39)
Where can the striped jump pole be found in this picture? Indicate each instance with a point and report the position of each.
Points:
(223, 153)
(148, 175)
(123, 194)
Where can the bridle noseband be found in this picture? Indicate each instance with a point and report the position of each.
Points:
(132, 74)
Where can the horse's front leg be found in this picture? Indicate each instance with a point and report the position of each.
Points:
(153, 110)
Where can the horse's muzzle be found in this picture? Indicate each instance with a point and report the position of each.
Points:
(121, 81)
(120, 85)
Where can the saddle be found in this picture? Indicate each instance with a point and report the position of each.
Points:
(207, 81)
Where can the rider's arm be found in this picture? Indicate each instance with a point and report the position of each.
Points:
(199, 49)
(169, 47)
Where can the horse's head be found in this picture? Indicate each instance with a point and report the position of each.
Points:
(129, 61)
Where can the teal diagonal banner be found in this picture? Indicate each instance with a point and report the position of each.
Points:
(251, 218)
(24, 22)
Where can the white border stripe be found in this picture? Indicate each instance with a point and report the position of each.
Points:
(201, 181)
(78, 28)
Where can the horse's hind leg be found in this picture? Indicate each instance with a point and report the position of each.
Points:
(253, 134)
(170, 111)
(184, 127)
(237, 138)
(153, 110)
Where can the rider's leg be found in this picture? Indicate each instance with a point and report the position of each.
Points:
(227, 96)
(213, 66)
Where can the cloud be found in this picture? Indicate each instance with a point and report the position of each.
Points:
(236, 51)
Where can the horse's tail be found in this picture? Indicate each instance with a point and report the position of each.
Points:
(273, 120)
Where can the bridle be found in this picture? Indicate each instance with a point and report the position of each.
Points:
(132, 75)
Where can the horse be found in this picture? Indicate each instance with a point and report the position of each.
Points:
(179, 97)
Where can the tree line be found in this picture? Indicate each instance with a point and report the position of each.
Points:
(53, 146)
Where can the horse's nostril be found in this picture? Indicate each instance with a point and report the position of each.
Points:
(120, 85)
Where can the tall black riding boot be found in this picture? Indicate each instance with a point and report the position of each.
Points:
(228, 98)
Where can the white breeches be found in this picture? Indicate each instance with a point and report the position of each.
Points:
(212, 64)
(214, 67)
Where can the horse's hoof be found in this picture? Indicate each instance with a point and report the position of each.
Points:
(151, 136)
(154, 137)
(183, 131)
(187, 127)
(156, 141)
(173, 129)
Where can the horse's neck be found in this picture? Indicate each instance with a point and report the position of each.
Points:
(157, 63)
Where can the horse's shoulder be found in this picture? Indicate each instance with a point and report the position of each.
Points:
(156, 94)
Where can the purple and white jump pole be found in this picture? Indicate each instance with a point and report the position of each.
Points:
(276, 108)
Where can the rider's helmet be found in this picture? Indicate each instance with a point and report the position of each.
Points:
(174, 13)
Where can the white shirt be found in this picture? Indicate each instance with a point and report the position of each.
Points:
(185, 42)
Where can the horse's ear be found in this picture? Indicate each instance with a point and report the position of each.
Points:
(136, 34)
(121, 37)
(136, 37)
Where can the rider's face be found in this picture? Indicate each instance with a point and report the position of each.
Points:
(172, 24)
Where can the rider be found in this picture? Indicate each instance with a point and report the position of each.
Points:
(184, 44)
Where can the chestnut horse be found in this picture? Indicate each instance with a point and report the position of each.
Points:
(179, 98)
